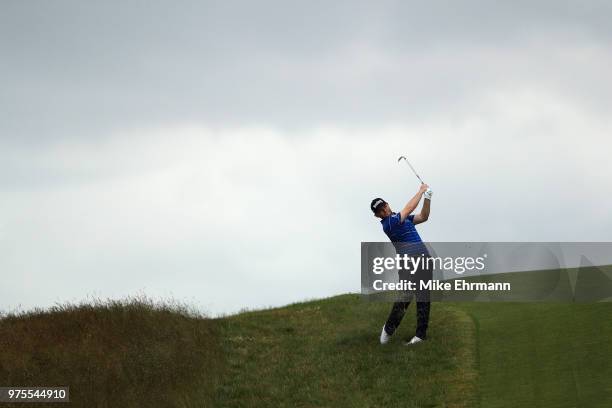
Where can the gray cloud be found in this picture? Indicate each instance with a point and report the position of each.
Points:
(73, 69)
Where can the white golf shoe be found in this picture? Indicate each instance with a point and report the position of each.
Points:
(413, 340)
(384, 337)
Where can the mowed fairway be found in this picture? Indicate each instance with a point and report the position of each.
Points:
(543, 354)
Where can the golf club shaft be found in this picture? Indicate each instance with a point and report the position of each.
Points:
(415, 173)
(412, 168)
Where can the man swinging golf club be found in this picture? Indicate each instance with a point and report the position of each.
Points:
(400, 229)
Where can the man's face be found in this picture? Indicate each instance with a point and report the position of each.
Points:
(383, 212)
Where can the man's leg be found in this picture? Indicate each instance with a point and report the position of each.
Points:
(423, 298)
(395, 317)
(399, 307)
(422, 319)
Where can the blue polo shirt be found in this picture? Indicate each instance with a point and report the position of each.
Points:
(403, 235)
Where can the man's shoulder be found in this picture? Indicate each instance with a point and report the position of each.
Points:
(394, 217)
(391, 221)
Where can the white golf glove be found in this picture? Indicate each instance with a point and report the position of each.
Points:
(427, 194)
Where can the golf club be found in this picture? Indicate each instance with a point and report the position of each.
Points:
(412, 168)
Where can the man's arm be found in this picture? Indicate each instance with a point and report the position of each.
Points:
(413, 203)
(424, 214)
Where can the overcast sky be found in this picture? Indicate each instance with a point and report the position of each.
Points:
(225, 153)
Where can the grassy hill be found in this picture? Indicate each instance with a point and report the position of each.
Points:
(132, 353)
(326, 354)
(314, 354)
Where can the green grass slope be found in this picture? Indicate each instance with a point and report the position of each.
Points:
(326, 354)
(323, 353)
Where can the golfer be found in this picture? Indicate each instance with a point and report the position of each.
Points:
(400, 229)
